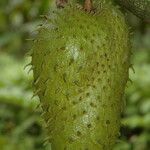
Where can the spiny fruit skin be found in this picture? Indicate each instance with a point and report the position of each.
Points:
(80, 64)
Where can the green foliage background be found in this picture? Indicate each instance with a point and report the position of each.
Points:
(20, 124)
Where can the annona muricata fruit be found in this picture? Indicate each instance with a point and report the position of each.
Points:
(80, 64)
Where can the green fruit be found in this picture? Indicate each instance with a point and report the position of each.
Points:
(80, 63)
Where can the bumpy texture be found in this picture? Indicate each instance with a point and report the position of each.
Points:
(80, 63)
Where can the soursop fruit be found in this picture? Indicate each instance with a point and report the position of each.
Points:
(80, 63)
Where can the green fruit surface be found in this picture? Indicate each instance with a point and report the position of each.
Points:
(80, 63)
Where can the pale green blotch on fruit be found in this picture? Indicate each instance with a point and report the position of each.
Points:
(80, 63)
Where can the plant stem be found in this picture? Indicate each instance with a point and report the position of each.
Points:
(140, 8)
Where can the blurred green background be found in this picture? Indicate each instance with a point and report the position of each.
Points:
(21, 126)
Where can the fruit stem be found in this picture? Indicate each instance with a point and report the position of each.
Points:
(61, 3)
(88, 5)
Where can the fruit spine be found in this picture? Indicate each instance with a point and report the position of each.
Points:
(80, 64)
